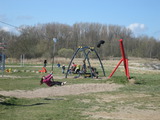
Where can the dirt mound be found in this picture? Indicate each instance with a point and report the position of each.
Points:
(61, 90)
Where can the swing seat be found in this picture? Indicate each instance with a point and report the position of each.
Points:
(86, 75)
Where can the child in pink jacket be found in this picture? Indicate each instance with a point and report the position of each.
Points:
(48, 80)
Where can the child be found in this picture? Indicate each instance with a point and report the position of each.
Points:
(73, 67)
(94, 71)
(45, 63)
(48, 80)
(63, 69)
(58, 65)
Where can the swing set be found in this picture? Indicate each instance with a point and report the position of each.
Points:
(86, 51)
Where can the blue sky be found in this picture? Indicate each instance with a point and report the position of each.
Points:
(141, 16)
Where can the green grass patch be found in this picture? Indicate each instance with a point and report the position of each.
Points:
(144, 94)
(64, 108)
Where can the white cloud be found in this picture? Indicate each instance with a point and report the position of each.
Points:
(7, 29)
(137, 28)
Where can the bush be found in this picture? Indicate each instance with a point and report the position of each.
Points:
(67, 53)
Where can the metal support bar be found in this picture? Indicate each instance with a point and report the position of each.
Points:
(86, 57)
(125, 61)
(100, 63)
(71, 61)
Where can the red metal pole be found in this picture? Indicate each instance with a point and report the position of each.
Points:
(125, 61)
(115, 68)
(127, 69)
(122, 49)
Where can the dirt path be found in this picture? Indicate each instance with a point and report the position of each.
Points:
(127, 112)
(61, 90)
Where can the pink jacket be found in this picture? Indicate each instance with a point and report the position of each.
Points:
(47, 79)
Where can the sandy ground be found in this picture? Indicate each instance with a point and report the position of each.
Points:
(127, 112)
(61, 90)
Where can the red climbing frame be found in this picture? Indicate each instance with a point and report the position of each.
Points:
(124, 59)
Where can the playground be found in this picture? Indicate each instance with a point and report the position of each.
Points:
(82, 98)
(94, 88)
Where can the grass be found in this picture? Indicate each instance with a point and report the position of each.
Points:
(143, 95)
(64, 108)
(148, 83)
